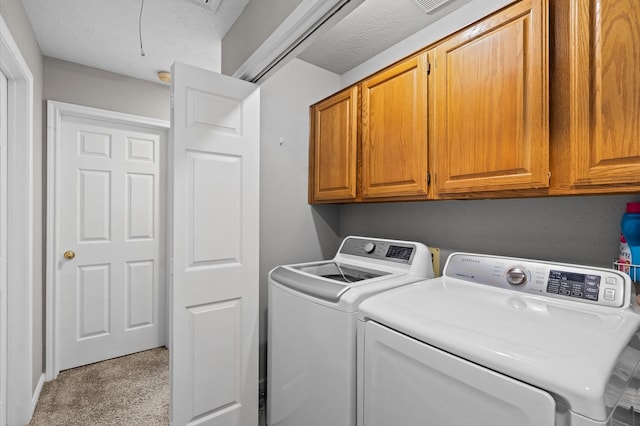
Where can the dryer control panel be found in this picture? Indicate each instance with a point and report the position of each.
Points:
(600, 286)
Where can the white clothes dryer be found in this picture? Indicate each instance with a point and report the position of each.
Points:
(499, 341)
(312, 321)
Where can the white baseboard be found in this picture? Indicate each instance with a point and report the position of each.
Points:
(36, 394)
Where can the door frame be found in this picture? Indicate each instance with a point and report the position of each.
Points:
(21, 400)
(55, 111)
(4, 134)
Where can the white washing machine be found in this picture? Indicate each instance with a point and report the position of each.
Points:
(499, 341)
(312, 321)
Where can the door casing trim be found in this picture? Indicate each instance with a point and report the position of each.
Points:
(55, 111)
(19, 229)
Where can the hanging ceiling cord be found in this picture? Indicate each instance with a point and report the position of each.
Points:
(140, 28)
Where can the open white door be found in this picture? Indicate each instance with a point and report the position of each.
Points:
(215, 144)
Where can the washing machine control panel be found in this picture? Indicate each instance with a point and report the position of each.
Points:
(379, 249)
(599, 286)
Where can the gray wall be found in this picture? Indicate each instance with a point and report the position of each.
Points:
(291, 230)
(256, 23)
(69, 82)
(16, 19)
(582, 230)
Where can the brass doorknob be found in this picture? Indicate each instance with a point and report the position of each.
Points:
(69, 254)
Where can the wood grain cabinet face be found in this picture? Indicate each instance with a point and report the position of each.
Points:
(596, 74)
(394, 131)
(490, 104)
(333, 148)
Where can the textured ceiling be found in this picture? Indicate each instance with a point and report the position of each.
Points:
(104, 34)
(371, 28)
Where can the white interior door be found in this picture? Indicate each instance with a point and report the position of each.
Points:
(3, 247)
(109, 250)
(214, 308)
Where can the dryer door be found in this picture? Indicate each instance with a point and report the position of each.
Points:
(407, 382)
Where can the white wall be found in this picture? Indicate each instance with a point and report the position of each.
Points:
(291, 230)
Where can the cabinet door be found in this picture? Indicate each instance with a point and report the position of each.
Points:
(490, 101)
(333, 148)
(394, 131)
(597, 73)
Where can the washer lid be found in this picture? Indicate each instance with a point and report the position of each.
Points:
(341, 272)
(325, 280)
(581, 353)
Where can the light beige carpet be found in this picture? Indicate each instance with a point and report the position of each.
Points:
(131, 390)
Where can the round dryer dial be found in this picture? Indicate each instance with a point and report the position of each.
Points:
(516, 275)
(369, 247)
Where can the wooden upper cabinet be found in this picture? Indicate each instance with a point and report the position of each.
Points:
(333, 148)
(394, 131)
(490, 104)
(596, 111)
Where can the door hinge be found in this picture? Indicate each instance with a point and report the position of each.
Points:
(428, 67)
(428, 179)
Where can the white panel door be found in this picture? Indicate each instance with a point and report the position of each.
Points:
(3, 247)
(214, 308)
(409, 383)
(109, 202)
